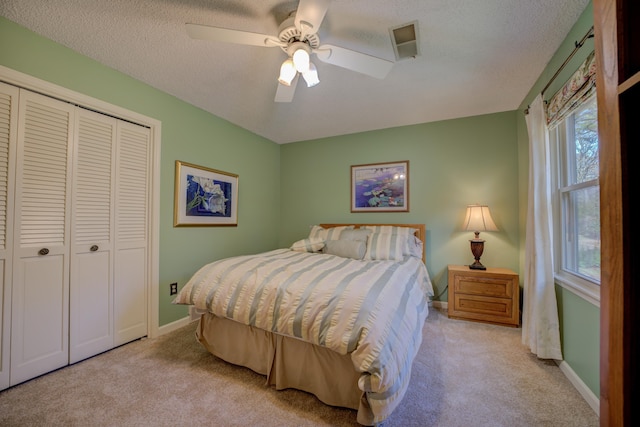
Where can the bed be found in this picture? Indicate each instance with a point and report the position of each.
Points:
(339, 314)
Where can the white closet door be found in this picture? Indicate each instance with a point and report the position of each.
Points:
(40, 293)
(132, 229)
(91, 282)
(8, 130)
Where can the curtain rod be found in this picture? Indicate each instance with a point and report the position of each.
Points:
(578, 46)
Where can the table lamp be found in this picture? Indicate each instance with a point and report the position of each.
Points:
(477, 219)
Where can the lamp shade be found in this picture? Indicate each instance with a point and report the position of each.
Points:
(478, 218)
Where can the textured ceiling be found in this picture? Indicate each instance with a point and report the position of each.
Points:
(476, 57)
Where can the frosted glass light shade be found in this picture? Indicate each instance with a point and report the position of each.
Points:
(287, 73)
(311, 75)
(301, 60)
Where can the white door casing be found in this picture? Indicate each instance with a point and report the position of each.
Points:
(8, 135)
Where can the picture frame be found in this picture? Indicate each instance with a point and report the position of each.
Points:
(380, 187)
(204, 196)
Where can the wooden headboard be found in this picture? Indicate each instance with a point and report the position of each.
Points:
(421, 233)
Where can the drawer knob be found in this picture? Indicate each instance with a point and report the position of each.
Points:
(43, 251)
(93, 248)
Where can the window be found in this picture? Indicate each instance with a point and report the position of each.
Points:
(576, 201)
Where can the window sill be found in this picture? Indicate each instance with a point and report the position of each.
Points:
(582, 288)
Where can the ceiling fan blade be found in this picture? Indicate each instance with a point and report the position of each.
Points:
(204, 32)
(355, 61)
(310, 15)
(285, 93)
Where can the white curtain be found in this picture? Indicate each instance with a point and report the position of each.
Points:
(540, 325)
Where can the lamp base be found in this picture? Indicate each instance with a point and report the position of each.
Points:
(477, 266)
(477, 247)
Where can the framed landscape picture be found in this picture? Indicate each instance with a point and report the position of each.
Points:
(204, 196)
(380, 187)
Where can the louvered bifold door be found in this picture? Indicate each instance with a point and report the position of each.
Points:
(8, 131)
(40, 292)
(91, 282)
(132, 232)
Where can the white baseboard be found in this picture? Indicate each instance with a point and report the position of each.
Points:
(194, 314)
(585, 392)
(170, 327)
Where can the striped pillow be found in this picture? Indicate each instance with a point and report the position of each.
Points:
(312, 244)
(391, 229)
(390, 242)
(385, 246)
(415, 247)
(328, 233)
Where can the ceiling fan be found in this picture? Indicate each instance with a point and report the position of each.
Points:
(298, 38)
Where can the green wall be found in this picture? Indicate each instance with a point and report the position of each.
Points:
(188, 134)
(579, 319)
(579, 332)
(451, 164)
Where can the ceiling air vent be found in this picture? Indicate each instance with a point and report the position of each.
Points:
(405, 40)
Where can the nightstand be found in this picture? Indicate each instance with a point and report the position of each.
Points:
(491, 295)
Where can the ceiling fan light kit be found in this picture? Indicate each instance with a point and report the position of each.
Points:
(298, 61)
(298, 38)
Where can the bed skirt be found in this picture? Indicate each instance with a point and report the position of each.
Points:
(287, 362)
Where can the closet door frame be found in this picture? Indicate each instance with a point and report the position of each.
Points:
(25, 81)
(6, 250)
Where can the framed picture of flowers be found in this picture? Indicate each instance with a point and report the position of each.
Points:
(380, 187)
(204, 196)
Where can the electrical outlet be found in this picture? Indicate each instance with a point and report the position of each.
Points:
(173, 289)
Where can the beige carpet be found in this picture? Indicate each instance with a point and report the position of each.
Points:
(466, 374)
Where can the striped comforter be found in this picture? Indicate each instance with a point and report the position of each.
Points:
(372, 310)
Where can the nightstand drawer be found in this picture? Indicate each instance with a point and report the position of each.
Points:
(488, 309)
(491, 295)
(495, 287)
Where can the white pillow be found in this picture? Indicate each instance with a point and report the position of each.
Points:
(312, 244)
(345, 248)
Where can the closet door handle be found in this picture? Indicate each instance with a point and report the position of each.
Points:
(93, 248)
(43, 251)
